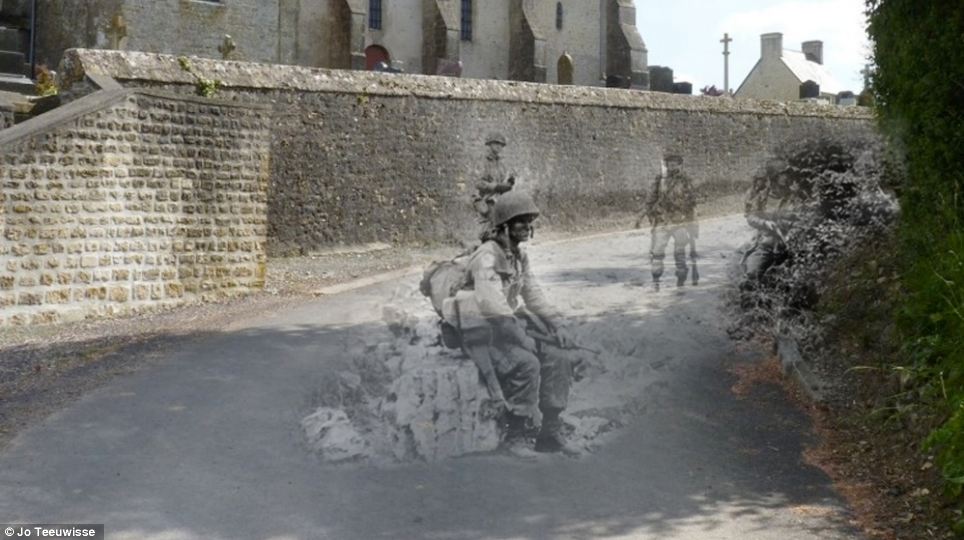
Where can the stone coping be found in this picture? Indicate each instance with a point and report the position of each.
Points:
(151, 68)
(96, 101)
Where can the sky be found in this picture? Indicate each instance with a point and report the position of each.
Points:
(685, 35)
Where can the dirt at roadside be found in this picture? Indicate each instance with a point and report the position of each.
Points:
(892, 486)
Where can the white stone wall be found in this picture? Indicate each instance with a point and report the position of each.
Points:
(401, 33)
(314, 33)
(487, 55)
(579, 37)
(196, 27)
(770, 79)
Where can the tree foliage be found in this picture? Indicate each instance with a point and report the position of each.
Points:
(918, 87)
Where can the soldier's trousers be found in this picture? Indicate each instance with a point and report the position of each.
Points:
(530, 382)
(764, 253)
(661, 237)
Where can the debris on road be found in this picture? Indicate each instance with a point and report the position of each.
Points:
(421, 401)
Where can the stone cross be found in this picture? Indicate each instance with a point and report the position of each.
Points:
(726, 62)
(117, 31)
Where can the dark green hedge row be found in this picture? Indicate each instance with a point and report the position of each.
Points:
(918, 86)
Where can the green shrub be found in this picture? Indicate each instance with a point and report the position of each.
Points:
(46, 85)
(918, 86)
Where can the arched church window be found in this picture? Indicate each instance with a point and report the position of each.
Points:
(375, 14)
(564, 69)
(558, 15)
(466, 20)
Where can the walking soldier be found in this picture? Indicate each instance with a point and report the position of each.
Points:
(671, 208)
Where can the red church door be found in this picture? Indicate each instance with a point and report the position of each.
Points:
(375, 54)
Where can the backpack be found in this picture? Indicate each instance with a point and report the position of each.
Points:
(443, 279)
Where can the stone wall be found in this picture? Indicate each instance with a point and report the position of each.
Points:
(7, 118)
(164, 26)
(128, 200)
(583, 23)
(486, 56)
(401, 34)
(363, 157)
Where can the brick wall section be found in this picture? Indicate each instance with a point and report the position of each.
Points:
(360, 157)
(124, 201)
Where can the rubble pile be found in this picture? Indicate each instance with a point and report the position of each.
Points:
(413, 398)
(409, 398)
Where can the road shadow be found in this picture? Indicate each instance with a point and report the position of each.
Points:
(201, 440)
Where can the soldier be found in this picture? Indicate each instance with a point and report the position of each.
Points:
(769, 242)
(498, 332)
(671, 209)
(495, 180)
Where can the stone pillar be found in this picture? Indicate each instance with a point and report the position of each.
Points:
(626, 54)
(440, 39)
(527, 46)
(357, 27)
(288, 31)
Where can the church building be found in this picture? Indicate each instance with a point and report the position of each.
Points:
(584, 42)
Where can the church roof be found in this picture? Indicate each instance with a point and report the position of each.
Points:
(807, 70)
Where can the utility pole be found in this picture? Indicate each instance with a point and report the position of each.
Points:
(726, 63)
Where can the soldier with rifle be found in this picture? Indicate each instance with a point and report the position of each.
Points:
(496, 178)
(671, 209)
(504, 323)
(769, 245)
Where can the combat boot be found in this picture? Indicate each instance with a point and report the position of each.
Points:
(551, 439)
(516, 443)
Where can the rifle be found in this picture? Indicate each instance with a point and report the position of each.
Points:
(538, 330)
(553, 340)
(475, 344)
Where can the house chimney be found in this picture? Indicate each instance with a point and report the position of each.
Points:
(771, 45)
(813, 50)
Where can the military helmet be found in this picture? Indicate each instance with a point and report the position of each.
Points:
(673, 156)
(497, 138)
(512, 205)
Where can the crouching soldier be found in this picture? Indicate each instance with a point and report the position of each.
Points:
(498, 312)
(769, 243)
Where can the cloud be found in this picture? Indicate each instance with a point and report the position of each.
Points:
(840, 24)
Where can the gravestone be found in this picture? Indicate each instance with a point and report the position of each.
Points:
(809, 89)
(661, 79)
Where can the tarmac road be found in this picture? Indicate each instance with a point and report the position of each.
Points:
(206, 443)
